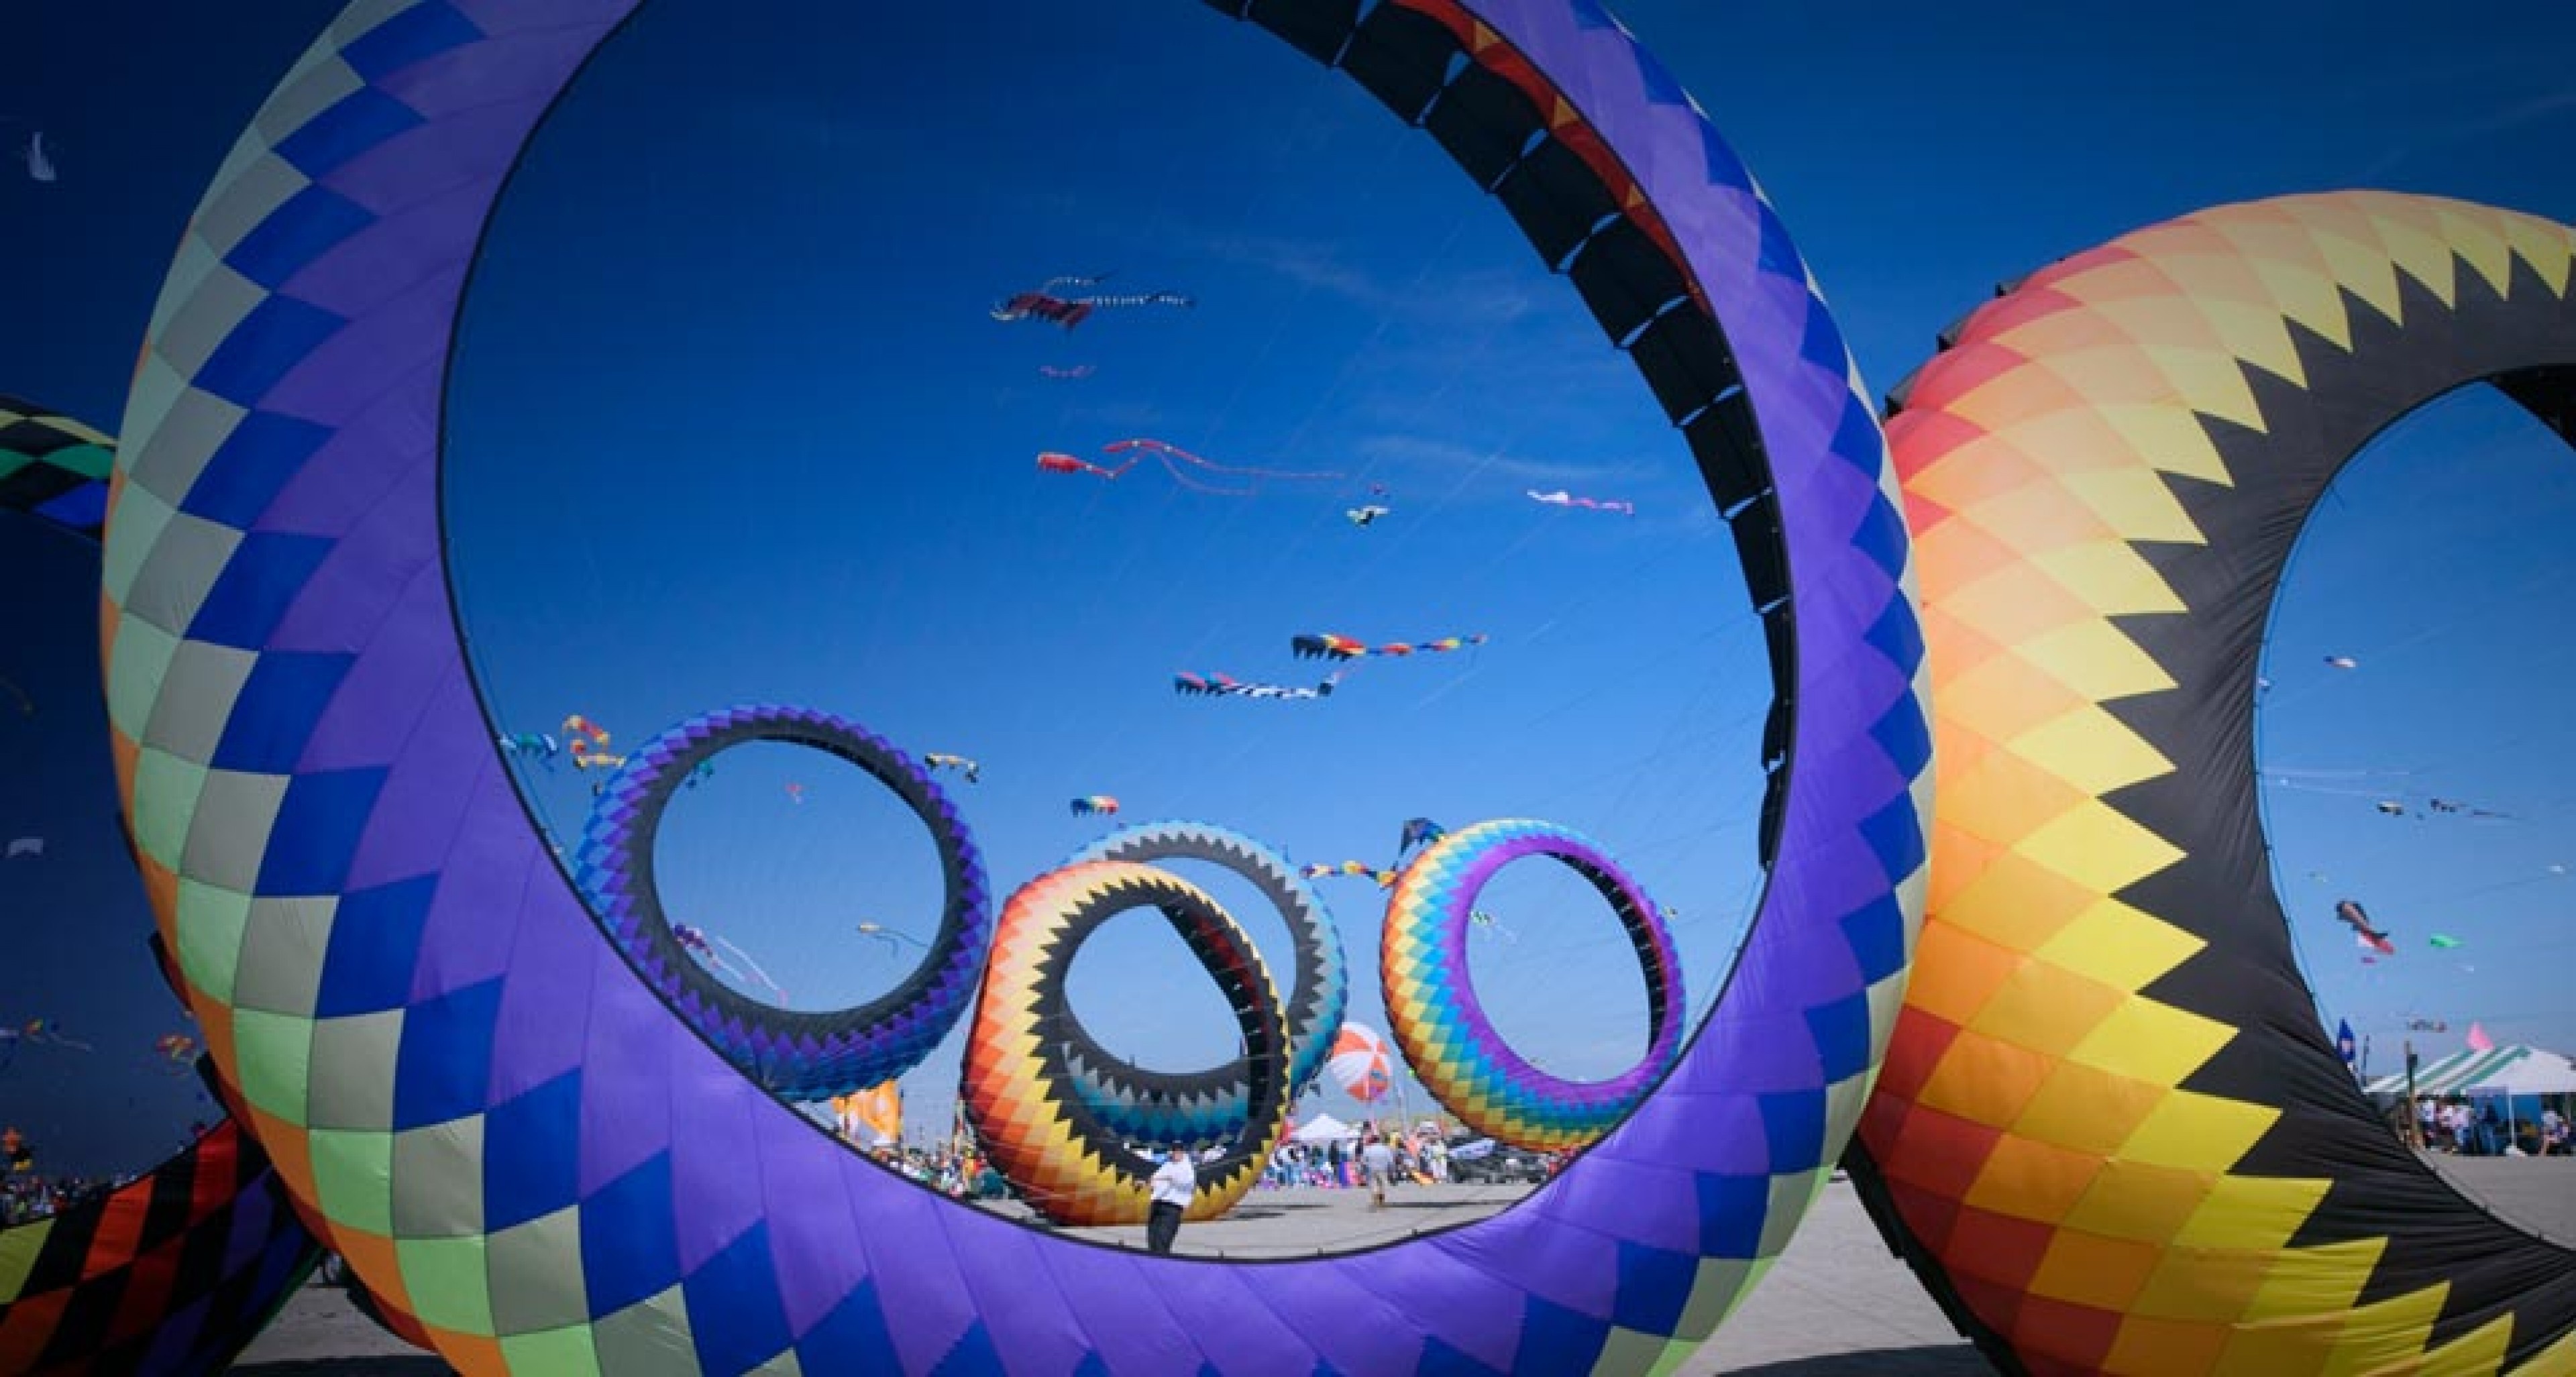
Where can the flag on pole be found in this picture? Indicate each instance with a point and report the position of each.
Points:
(2344, 1046)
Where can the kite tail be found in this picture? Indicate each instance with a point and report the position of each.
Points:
(1137, 299)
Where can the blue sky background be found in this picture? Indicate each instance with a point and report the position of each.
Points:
(731, 424)
(790, 371)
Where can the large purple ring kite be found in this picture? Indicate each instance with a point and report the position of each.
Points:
(1448, 1040)
(510, 1134)
(804, 1056)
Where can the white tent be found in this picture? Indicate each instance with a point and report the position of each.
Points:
(1322, 1129)
(2521, 1069)
(2540, 1073)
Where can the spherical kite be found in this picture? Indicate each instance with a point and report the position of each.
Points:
(503, 1128)
(2112, 1134)
(1360, 1066)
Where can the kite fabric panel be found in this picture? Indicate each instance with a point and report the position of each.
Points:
(53, 466)
(509, 1133)
(2112, 1134)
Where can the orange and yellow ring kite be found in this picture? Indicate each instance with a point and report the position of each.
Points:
(2109, 1132)
(1052, 1146)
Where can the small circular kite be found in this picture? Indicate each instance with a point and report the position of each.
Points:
(801, 1055)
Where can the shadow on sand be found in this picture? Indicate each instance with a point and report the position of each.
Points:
(408, 1365)
(1938, 1360)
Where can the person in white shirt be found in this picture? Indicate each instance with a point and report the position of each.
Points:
(1174, 1183)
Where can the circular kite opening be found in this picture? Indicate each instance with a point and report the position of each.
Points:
(1539, 934)
(1140, 941)
(1208, 1100)
(2106, 1129)
(1189, 655)
(2414, 807)
(808, 884)
(590, 1178)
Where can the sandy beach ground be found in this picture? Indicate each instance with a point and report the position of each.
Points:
(1837, 1305)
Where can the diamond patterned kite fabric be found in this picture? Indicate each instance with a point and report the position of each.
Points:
(1056, 1155)
(2110, 1125)
(1447, 1038)
(507, 1132)
(804, 1056)
(53, 466)
(174, 1272)
(1205, 1108)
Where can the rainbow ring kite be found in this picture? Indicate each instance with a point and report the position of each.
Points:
(510, 1134)
(1060, 1157)
(177, 1270)
(2112, 1136)
(805, 1056)
(1447, 1039)
(1204, 1108)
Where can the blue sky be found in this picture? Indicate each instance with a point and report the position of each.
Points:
(731, 424)
(790, 370)
(2450, 599)
(74, 918)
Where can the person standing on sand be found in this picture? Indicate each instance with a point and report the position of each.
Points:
(1174, 1183)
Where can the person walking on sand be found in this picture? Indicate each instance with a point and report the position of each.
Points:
(1174, 1183)
(1380, 1161)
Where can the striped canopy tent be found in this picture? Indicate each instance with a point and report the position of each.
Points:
(2518, 1069)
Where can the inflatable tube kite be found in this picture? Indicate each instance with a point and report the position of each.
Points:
(1447, 1039)
(1057, 1155)
(1203, 1108)
(804, 1056)
(177, 1270)
(174, 1272)
(504, 1128)
(2112, 1133)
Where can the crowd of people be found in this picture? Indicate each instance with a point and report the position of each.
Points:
(1373, 1158)
(27, 1196)
(2456, 1126)
(955, 1170)
(1343, 1164)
